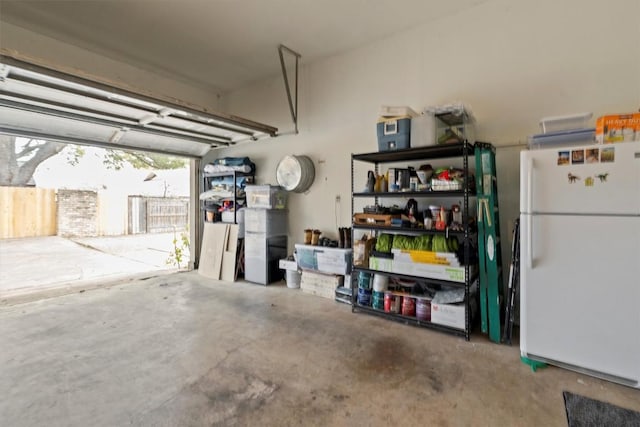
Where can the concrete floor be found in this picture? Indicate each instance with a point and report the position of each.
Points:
(182, 350)
(57, 265)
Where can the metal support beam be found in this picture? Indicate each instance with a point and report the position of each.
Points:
(293, 104)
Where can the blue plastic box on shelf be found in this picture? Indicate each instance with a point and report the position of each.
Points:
(394, 133)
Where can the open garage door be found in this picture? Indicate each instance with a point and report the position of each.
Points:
(36, 102)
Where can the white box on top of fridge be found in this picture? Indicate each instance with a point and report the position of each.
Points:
(580, 259)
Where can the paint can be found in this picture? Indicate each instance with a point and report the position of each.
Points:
(380, 282)
(364, 280)
(364, 297)
(392, 302)
(423, 309)
(378, 300)
(408, 306)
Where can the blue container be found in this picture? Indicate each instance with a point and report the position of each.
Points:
(394, 134)
(364, 297)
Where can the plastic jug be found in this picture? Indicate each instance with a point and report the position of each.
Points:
(371, 182)
(381, 184)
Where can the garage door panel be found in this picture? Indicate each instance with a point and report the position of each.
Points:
(34, 122)
(29, 124)
(37, 102)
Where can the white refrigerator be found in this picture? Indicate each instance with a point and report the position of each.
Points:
(580, 259)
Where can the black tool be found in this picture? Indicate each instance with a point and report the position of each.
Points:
(514, 282)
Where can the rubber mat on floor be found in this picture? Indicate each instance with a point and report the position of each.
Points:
(583, 411)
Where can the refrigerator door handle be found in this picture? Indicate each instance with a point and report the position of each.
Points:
(529, 217)
(529, 185)
(530, 242)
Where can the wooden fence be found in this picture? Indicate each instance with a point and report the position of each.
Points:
(32, 212)
(27, 212)
(158, 214)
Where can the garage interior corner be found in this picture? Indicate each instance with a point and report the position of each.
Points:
(182, 349)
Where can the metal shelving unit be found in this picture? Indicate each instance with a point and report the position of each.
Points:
(410, 320)
(458, 150)
(209, 178)
(416, 278)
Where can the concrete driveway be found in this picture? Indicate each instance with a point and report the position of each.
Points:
(56, 265)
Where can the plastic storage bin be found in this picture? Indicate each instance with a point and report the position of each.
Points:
(394, 134)
(423, 130)
(266, 196)
(454, 127)
(262, 257)
(272, 222)
(565, 123)
(393, 111)
(324, 259)
(559, 139)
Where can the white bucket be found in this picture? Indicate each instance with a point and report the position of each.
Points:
(380, 282)
(293, 279)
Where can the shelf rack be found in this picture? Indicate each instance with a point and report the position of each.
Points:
(208, 178)
(462, 150)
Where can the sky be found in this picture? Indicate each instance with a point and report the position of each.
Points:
(91, 174)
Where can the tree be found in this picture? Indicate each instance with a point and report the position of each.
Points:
(19, 160)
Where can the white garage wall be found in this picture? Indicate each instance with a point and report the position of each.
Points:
(47, 51)
(512, 62)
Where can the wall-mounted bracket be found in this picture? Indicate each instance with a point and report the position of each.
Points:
(293, 103)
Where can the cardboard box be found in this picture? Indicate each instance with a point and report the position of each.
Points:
(428, 257)
(432, 271)
(452, 314)
(323, 285)
(434, 265)
(618, 128)
(381, 264)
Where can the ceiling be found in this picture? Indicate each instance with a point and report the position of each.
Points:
(221, 44)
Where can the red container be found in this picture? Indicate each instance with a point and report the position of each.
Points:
(392, 302)
(408, 306)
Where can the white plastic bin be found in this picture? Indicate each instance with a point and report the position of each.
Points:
(564, 123)
(266, 197)
(423, 130)
(273, 222)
